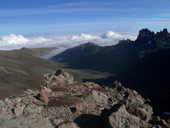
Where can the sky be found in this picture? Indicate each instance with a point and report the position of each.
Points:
(28, 21)
(34, 17)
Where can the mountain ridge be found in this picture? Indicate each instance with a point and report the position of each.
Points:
(131, 61)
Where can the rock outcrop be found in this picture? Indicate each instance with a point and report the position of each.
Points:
(118, 117)
(64, 103)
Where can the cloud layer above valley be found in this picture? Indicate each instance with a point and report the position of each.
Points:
(12, 41)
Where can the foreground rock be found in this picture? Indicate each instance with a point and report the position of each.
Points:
(63, 103)
(118, 117)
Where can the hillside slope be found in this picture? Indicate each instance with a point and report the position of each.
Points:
(21, 69)
(92, 56)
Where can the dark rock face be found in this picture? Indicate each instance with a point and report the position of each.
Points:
(163, 35)
(144, 35)
(64, 104)
(152, 41)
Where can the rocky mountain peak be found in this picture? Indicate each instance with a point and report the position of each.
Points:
(165, 31)
(145, 32)
(89, 44)
(64, 103)
(163, 35)
(144, 35)
(149, 38)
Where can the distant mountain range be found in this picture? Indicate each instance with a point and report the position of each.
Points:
(142, 64)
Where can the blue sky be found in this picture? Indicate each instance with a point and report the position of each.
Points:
(36, 17)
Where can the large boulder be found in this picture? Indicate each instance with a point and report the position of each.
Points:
(98, 97)
(60, 77)
(64, 77)
(142, 113)
(118, 117)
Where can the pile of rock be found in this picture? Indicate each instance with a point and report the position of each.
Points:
(63, 103)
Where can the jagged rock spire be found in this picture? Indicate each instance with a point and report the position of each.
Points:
(164, 34)
(145, 33)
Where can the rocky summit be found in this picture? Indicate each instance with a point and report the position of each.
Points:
(64, 103)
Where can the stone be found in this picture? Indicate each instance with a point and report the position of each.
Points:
(64, 77)
(157, 126)
(165, 124)
(141, 113)
(46, 90)
(2, 104)
(32, 109)
(3, 111)
(98, 97)
(39, 102)
(119, 96)
(119, 87)
(148, 110)
(91, 85)
(155, 119)
(118, 117)
(136, 99)
(7, 100)
(43, 97)
(8, 103)
(17, 100)
(28, 121)
(26, 100)
(58, 121)
(19, 110)
(68, 125)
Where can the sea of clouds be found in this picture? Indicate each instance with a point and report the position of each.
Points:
(12, 41)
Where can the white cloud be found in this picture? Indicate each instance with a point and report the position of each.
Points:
(40, 40)
(13, 40)
(10, 42)
(111, 34)
(84, 37)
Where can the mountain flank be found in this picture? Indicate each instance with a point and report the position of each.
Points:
(22, 69)
(142, 64)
